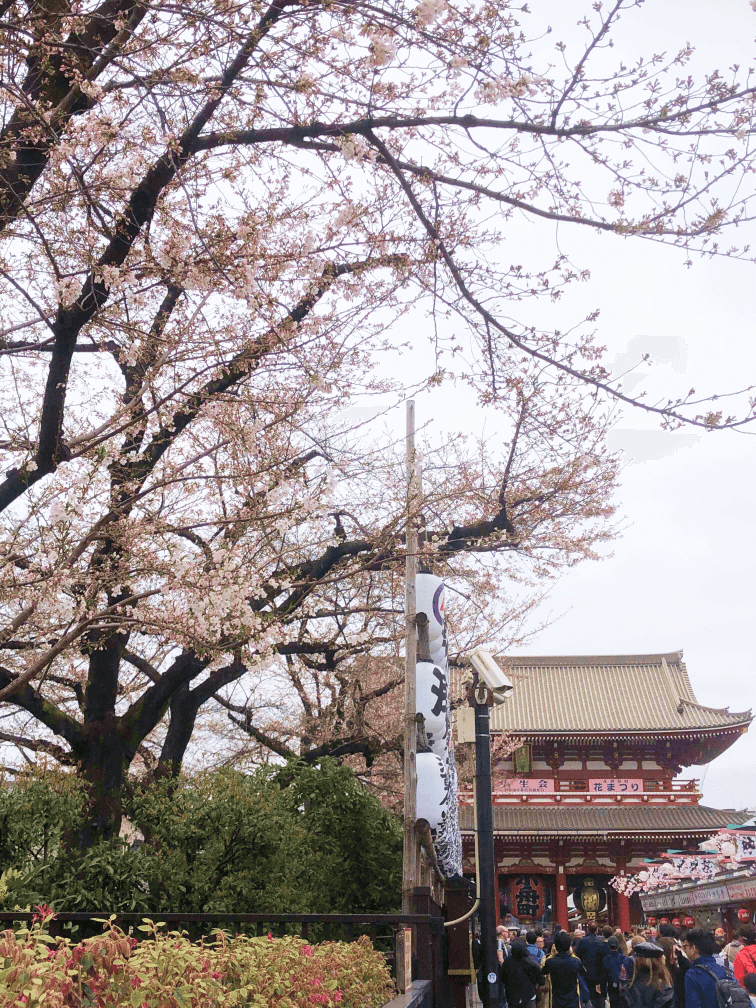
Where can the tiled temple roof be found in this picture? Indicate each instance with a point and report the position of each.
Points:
(597, 693)
(634, 819)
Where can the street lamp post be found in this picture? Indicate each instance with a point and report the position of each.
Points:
(489, 686)
(486, 859)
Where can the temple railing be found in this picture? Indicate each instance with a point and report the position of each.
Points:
(572, 789)
(649, 786)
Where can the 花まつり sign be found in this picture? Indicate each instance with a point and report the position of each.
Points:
(615, 785)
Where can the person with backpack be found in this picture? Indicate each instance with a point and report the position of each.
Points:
(651, 984)
(521, 976)
(745, 961)
(732, 949)
(707, 984)
(537, 953)
(617, 970)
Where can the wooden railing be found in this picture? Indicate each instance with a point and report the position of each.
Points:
(420, 995)
(673, 790)
(649, 786)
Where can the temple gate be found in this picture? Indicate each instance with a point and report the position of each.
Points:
(593, 787)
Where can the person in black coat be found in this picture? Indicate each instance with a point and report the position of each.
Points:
(520, 975)
(591, 951)
(565, 971)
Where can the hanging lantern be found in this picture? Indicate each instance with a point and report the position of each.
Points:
(439, 657)
(429, 599)
(689, 922)
(432, 699)
(433, 789)
(651, 920)
(664, 920)
(676, 921)
(588, 896)
(743, 914)
(526, 897)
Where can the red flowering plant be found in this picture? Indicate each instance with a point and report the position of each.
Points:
(168, 971)
(43, 913)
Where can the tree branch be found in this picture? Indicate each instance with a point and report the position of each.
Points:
(184, 706)
(46, 712)
(69, 321)
(39, 745)
(146, 712)
(266, 740)
(364, 126)
(521, 344)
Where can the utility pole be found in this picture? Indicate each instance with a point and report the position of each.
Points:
(409, 861)
(486, 859)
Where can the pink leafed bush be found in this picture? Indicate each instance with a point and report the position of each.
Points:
(168, 971)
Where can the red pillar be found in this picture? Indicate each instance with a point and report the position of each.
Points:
(623, 912)
(561, 913)
(623, 903)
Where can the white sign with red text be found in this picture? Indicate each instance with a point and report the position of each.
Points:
(529, 785)
(615, 785)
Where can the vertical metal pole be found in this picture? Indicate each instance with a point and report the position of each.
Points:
(486, 858)
(409, 864)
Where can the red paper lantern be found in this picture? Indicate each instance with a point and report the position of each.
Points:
(676, 921)
(651, 920)
(689, 921)
(743, 914)
(664, 920)
(526, 896)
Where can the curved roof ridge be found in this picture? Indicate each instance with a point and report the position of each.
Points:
(607, 659)
(614, 693)
(716, 710)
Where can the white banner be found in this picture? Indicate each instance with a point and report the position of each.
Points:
(437, 770)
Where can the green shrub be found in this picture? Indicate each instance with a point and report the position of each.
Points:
(167, 971)
(294, 839)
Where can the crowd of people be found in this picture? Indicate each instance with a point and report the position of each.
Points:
(608, 968)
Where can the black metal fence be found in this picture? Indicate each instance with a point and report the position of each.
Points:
(382, 929)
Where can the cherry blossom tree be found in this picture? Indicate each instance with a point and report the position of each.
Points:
(251, 558)
(211, 213)
(339, 690)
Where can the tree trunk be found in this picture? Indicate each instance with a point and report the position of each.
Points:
(183, 708)
(104, 768)
(106, 758)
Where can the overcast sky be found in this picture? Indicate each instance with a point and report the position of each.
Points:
(682, 575)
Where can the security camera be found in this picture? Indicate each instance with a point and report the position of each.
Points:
(483, 663)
